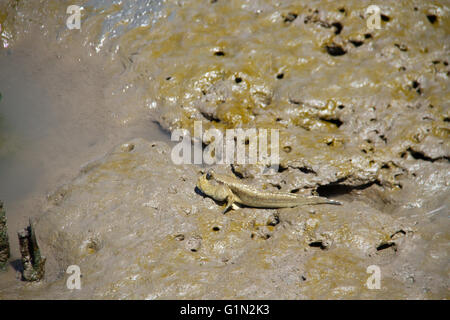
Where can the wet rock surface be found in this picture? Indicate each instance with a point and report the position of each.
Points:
(137, 228)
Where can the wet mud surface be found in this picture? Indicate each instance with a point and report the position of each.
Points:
(363, 119)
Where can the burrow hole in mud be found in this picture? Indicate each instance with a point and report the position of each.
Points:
(209, 117)
(335, 50)
(216, 228)
(336, 189)
(306, 170)
(418, 155)
(280, 76)
(432, 18)
(385, 18)
(338, 27)
(386, 245)
(238, 80)
(318, 244)
(289, 17)
(356, 43)
(219, 53)
(337, 122)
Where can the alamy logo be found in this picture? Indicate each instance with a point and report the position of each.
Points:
(74, 20)
(374, 20)
(74, 280)
(230, 149)
(374, 281)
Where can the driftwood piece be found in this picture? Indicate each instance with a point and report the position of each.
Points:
(32, 261)
(4, 241)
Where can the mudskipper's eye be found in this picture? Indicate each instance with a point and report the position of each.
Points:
(208, 176)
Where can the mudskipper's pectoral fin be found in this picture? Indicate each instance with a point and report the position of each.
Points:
(230, 203)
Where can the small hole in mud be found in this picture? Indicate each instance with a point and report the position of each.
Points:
(356, 43)
(336, 189)
(318, 244)
(303, 278)
(338, 27)
(280, 76)
(306, 170)
(367, 36)
(385, 18)
(415, 84)
(216, 229)
(336, 121)
(342, 10)
(335, 50)
(168, 78)
(445, 63)
(398, 233)
(291, 16)
(194, 250)
(287, 149)
(274, 220)
(386, 246)
(219, 53)
(432, 18)
(341, 106)
(238, 80)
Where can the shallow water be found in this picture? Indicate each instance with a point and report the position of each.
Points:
(57, 115)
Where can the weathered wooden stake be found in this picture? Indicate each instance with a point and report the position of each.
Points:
(32, 261)
(4, 241)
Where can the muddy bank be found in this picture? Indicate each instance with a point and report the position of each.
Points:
(363, 118)
(140, 233)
